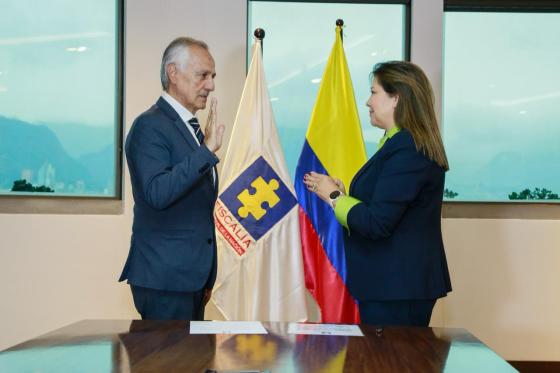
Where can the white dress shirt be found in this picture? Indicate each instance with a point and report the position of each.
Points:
(185, 116)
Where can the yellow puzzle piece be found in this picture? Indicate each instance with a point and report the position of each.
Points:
(252, 203)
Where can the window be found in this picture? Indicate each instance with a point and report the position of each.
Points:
(501, 102)
(60, 98)
(299, 38)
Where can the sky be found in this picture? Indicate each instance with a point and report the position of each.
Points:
(501, 108)
(56, 61)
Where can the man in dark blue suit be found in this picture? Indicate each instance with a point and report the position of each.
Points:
(171, 266)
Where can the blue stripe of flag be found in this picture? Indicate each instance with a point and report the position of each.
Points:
(319, 212)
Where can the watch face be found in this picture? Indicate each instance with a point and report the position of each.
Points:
(334, 194)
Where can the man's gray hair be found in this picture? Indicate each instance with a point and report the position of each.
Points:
(177, 52)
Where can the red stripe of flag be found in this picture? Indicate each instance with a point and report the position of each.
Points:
(322, 279)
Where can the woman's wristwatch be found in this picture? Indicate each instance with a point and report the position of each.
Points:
(334, 196)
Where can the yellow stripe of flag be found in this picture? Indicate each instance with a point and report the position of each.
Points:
(334, 131)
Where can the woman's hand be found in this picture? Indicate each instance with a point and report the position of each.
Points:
(322, 185)
(340, 185)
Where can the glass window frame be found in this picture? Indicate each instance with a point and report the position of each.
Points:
(407, 32)
(532, 210)
(404, 27)
(64, 204)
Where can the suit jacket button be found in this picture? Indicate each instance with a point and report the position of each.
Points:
(209, 241)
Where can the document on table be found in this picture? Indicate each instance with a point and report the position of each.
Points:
(227, 327)
(325, 329)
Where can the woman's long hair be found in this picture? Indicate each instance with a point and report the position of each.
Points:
(415, 107)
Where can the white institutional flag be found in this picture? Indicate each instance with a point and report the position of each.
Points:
(260, 268)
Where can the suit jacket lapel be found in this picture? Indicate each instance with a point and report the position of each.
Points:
(177, 122)
(182, 128)
(363, 169)
(370, 162)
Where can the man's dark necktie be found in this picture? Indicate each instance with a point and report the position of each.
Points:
(197, 131)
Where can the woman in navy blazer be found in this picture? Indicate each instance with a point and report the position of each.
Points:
(394, 249)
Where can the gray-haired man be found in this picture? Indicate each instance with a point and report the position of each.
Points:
(171, 266)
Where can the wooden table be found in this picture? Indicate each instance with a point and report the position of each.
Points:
(167, 346)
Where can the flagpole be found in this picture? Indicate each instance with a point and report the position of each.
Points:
(259, 34)
(340, 23)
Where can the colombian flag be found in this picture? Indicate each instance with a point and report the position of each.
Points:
(334, 145)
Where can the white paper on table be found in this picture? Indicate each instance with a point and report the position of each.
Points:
(325, 329)
(227, 327)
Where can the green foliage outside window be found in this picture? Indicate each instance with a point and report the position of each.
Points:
(449, 194)
(538, 194)
(23, 186)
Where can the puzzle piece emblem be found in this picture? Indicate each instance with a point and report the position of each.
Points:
(256, 348)
(252, 203)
